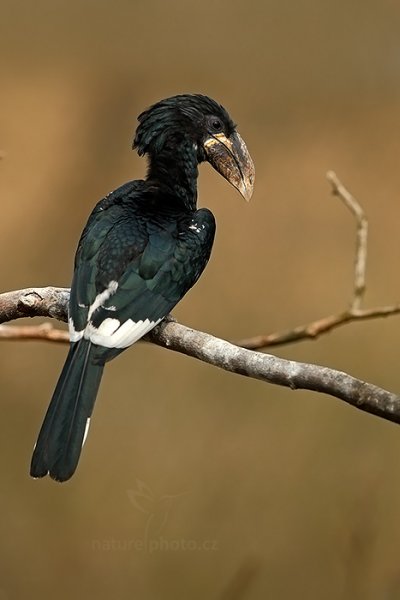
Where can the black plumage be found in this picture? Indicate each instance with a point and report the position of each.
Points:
(143, 248)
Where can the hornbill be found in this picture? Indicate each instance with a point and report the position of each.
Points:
(144, 246)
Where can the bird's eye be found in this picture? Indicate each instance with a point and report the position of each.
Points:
(216, 124)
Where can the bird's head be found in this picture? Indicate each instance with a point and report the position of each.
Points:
(207, 127)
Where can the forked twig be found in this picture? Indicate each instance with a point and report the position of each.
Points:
(354, 313)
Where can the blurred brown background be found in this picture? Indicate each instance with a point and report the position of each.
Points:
(196, 483)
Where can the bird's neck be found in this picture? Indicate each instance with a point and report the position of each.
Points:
(175, 169)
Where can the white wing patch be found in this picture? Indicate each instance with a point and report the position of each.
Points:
(74, 335)
(110, 333)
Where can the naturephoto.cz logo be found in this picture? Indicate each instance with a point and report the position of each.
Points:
(156, 509)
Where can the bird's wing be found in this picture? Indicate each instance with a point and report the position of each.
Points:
(96, 249)
(130, 271)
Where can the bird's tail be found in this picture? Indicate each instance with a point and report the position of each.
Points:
(64, 428)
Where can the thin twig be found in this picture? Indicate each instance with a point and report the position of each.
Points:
(360, 263)
(45, 332)
(313, 330)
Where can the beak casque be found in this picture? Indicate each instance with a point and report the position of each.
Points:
(230, 157)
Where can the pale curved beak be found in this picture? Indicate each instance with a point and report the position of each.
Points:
(230, 157)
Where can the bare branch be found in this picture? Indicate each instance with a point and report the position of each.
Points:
(271, 369)
(354, 312)
(220, 353)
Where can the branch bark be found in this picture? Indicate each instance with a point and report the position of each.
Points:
(52, 302)
(34, 302)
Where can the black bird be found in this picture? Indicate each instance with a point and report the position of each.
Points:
(144, 246)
